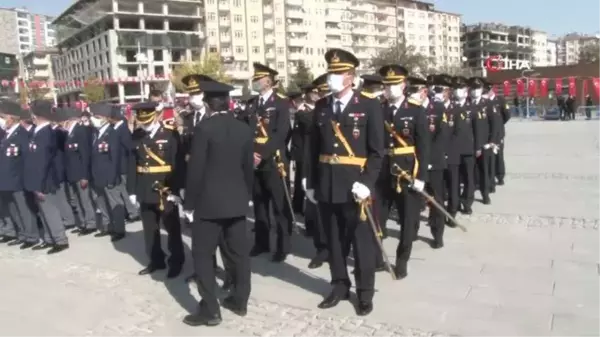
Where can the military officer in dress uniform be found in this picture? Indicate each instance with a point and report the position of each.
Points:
(296, 136)
(344, 162)
(194, 113)
(407, 143)
(268, 115)
(464, 142)
(482, 129)
(105, 173)
(78, 152)
(501, 115)
(451, 174)
(64, 198)
(437, 124)
(221, 172)
(154, 182)
(40, 177)
(19, 220)
(496, 124)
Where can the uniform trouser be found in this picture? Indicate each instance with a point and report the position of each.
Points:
(467, 177)
(81, 201)
(64, 206)
(500, 167)
(408, 204)
(299, 195)
(112, 211)
(206, 235)
(268, 188)
(491, 170)
(18, 212)
(151, 217)
(52, 225)
(344, 228)
(312, 217)
(435, 187)
(132, 211)
(483, 164)
(453, 187)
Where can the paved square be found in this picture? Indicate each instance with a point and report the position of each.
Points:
(527, 266)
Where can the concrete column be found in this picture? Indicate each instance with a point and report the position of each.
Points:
(121, 89)
(165, 8)
(142, 23)
(115, 6)
(140, 7)
(166, 24)
(115, 23)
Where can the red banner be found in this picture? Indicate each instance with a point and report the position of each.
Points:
(558, 86)
(506, 88)
(532, 88)
(544, 87)
(520, 87)
(572, 87)
(596, 82)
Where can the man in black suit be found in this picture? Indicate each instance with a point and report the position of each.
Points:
(219, 181)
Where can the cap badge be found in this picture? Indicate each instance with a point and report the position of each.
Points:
(335, 58)
(391, 73)
(192, 82)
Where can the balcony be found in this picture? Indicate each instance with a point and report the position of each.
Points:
(334, 43)
(295, 56)
(294, 2)
(270, 55)
(296, 42)
(224, 6)
(269, 39)
(225, 38)
(268, 25)
(224, 23)
(334, 31)
(334, 16)
(296, 29)
(294, 14)
(267, 11)
(40, 62)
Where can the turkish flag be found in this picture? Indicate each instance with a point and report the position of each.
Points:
(596, 82)
(572, 87)
(506, 88)
(532, 88)
(558, 86)
(520, 87)
(544, 87)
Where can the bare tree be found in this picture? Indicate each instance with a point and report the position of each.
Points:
(404, 55)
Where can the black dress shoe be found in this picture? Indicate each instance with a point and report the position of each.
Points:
(500, 182)
(58, 248)
(401, 270)
(487, 201)
(68, 227)
(227, 284)
(174, 271)
(493, 190)
(333, 299)
(316, 262)
(191, 279)
(380, 267)
(231, 304)
(6, 239)
(26, 245)
(86, 231)
(279, 257)
(117, 237)
(364, 308)
(449, 222)
(437, 243)
(101, 234)
(15, 243)
(257, 250)
(466, 210)
(42, 246)
(198, 320)
(151, 269)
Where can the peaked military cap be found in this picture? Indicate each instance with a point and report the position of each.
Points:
(101, 109)
(60, 115)
(42, 108)
(339, 60)
(294, 94)
(145, 112)
(192, 82)
(309, 88)
(374, 79)
(261, 70)
(476, 82)
(459, 82)
(214, 89)
(430, 79)
(416, 81)
(70, 113)
(442, 80)
(393, 73)
(13, 108)
(320, 83)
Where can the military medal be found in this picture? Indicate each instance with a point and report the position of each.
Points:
(356, 133)
(431, 127)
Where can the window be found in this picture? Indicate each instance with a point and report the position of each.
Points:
(158, 55)
(278, 21)
(210, 2)
(254, 19)
(211, 16)
(225, 50)
(212, 33)
(212, 49)
(239, 49)
(280, 65)
(254, 34)
(237, 3)
(237, 18)
(255, 50)
(238, 34)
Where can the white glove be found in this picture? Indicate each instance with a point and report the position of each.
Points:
(189, 215)
(182, 193)
(180, 210)
(418, 185)
(360, 191)
(429, 167)
(496, 149)
(310, 195)
(250, 203)
(487, 146)
(174, 199)
(133, 200)
(304, 184)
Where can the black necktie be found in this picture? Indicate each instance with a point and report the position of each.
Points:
(338, 108)
(198, 117)
(261, 101)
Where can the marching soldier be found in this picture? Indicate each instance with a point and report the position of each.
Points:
(16, 212)
(452, 173)
(297, 134)
(481, 138)
(345, 158)
(64, 198)
(194, 113)
(40, 178)
(501, 116)
(407, 143)
(221, 172)
(464, 137)
(78, 152)
(154, 182)
(496, 125)
(439, 132)
(268, 115)
(105, 173)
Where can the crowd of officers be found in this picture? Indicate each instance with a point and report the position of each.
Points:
(400, 136)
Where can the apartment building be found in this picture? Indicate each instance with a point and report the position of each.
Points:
(281, 33)
(552, 53)
(23, 31)
(36, 67)
(515, 44)
(130, 45)
(9, 70)
(569, 47)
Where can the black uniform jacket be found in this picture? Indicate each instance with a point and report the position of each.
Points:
(481, 123)
(302, 126)
(332, 170)
(438, 130)
(465, 140)
(501, 115)
(220, 169)
(407, 140)
(452, 113)
(158, 164)
(271, 126)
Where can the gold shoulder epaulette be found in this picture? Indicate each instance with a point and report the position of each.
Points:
(367, 94)
(169, 124)
(413, 101)
(281, 95)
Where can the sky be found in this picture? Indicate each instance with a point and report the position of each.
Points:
(554, 17)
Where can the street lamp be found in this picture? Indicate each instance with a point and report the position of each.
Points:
(527, 77)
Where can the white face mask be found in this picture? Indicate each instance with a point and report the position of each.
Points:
(417, 97)
(335, 82)
(98, 122)
(160, 107)
(2, 123)
(395, 91)
(439, 97)
(378, 93)
(197, 102)
(148, 127)
(460, 93)
(476, 93)
(256, 86)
